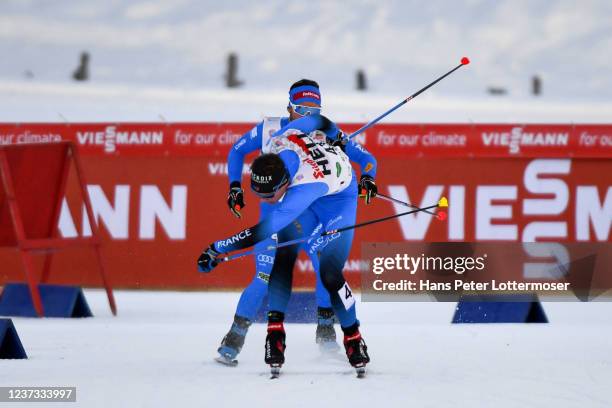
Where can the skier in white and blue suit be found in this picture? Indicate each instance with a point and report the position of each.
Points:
(304, 115)
(317, 185)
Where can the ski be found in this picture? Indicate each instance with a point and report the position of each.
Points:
(275, 371)
(361, 372)
(226, 361)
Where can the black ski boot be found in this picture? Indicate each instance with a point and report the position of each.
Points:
(356, 349)
(233, 341)
(275, 343)
(326, 334)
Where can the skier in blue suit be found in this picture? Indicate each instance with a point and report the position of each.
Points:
(317, 185)
(304, 116)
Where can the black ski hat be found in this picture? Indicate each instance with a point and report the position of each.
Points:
(268, 174)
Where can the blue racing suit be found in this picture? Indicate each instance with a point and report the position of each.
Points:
(256, 140)
(302, 209)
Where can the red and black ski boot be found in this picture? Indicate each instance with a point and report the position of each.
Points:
(275, 343)
(356, 349)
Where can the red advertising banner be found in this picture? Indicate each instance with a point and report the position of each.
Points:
(158, 203)
(386, 140)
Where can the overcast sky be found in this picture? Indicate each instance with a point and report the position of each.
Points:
(400, 44)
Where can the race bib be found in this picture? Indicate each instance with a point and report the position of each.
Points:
(346, 295)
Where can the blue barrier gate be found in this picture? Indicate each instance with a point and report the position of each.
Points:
(499, 309)
(10, 345)
(58, 301)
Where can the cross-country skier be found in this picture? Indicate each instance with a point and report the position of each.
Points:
(317, 186)
(304, 115)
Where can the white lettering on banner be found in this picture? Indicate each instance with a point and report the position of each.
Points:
(456, 217)
(430, 139)
(110, 138)
(224, 138)
(546, 270)
(414, 226)
(434, 139)
(517, 138)
(205, 138)
(181, 138)
(384, 139)
(356, 265)
(351, 265)
(595, 140)
(66, 226)
(228, 137)
(6, 139)
(487, 211)
(29, 137)
(549, 206)
(115, 217)
(217, 168)
(220, 168)
(172, 218)
(549, 186)
(591, 211)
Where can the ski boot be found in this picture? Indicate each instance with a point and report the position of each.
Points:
(356, 349)
(233, 341)
(275, 343)
(326, 334)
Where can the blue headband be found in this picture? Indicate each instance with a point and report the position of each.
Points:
(305, 93)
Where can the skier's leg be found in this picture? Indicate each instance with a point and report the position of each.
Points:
(250, 300)
(336, 212)
(252, 296)
(325, 335)
(332, 260)
(279, 288)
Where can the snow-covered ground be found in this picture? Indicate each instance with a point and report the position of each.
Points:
(22, 101)
(158, 352)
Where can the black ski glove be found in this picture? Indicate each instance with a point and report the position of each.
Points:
(208, 260)
(235, 198)
(340, 140)
(367, 188)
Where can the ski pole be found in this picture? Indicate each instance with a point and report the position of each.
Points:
(464, 61)
(394, 200)
(443, 202)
